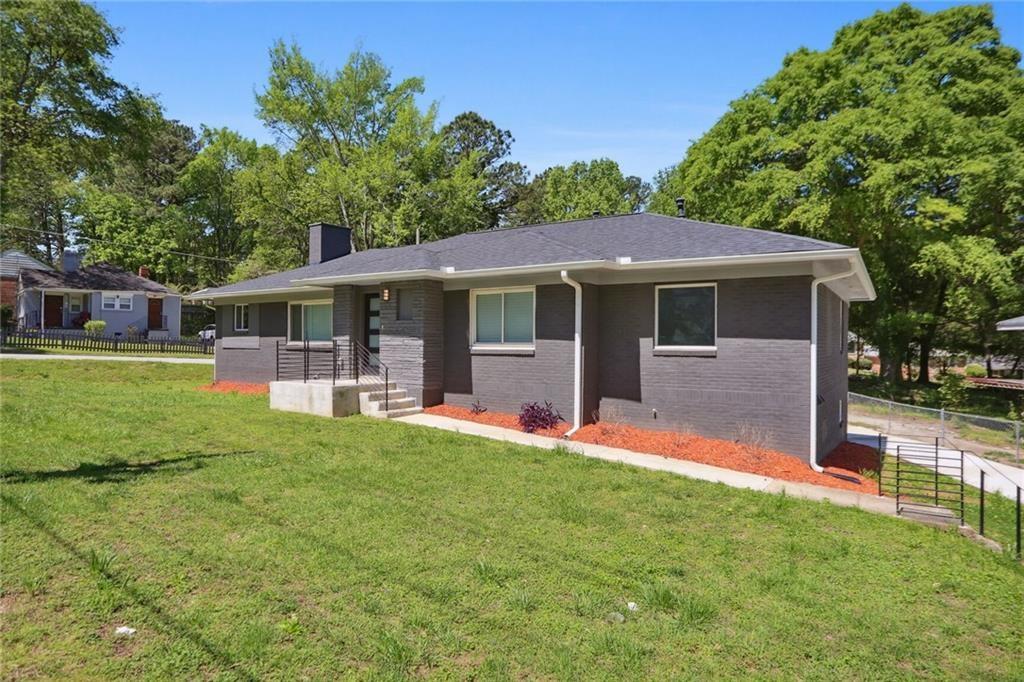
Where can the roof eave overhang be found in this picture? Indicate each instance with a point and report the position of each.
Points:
(201, 295)
(851, 255)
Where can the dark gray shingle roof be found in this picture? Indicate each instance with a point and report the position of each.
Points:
(640, 236)
(95, 277)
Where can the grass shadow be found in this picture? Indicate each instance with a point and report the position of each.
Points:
(117, 471)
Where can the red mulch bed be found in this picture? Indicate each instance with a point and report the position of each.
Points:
(504, 420)
(848, 459)
(235, 387)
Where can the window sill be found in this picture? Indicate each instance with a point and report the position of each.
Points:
(710, 352)
(501, 350)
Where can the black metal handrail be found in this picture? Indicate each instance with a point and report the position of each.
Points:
(341, 361)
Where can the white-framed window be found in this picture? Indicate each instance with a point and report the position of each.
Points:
(502, 318)
(113, 301)
(311, 321)
(241, 317)
(686, 316)
(74, 303)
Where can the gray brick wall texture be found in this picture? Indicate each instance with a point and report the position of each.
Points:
(755, 386)
(833, 380)
(268, 322)
(504, 382)
(412, 348)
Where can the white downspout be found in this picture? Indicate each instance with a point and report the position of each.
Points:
(813, 456)
(577, 361)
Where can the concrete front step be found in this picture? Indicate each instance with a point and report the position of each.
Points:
(393, 394)
(394, 414)
(393, 404)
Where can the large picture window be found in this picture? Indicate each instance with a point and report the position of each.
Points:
(685, 316)
(502, 317)
(311, 321)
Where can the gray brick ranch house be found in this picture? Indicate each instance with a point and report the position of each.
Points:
(663, 322)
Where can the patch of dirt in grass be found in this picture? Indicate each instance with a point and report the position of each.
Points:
(847, 460)
(502, 419)
(235, 387)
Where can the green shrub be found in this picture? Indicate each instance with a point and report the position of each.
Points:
(862, 363)
(975, 370)
(95, 327)
(953, 391)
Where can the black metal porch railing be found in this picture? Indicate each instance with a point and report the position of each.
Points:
(332, 361)
(929, 479)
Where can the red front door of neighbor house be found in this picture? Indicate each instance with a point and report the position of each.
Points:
(156, 313)
(53, 311)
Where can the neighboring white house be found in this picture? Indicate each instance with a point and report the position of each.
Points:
(127, 302)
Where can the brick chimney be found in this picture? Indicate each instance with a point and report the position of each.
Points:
(71, 260)
(143, 272)
(327, 242)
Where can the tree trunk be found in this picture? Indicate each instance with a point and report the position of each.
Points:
(988, 365)
(925, 357)
(889, 366)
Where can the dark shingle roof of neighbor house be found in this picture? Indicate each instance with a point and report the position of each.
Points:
(13, 261)
(640, 236)
(95, 277)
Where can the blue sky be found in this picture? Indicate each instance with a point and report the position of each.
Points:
(634, 82)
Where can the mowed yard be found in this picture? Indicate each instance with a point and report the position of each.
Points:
(245, 543)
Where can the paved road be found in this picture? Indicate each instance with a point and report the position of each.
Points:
(999, 477)
(116, 358)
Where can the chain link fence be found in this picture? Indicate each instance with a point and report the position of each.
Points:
(998, 439)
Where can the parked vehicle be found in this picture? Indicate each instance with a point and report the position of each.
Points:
(208, 333)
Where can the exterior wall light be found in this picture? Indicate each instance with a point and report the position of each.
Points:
(385, 294)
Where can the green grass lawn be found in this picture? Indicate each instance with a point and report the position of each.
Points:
(244, 543)
(8, 350)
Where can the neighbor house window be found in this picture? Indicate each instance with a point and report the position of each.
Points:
(117, 301)
(242, 317)
(502, 317)
(311, 321)
(75, 303)
(685, 316)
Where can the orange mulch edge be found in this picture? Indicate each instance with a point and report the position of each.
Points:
(235, 387)
(848, 459)
(502, 419)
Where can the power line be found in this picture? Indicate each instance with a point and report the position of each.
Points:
(111, 241)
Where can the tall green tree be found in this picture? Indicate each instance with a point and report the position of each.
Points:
(60, 114)
(908, 131)
(132, 212)
(471, 137)
(578, 191)
(365, 147)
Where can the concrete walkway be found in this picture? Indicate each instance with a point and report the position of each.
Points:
(703, 472)
(999, 477)
(116, 358)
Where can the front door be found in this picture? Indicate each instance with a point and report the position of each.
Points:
(371, 332)
(53, 311)
(156, 313)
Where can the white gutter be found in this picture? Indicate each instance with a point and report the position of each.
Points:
(813, 452)
(577, 360)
